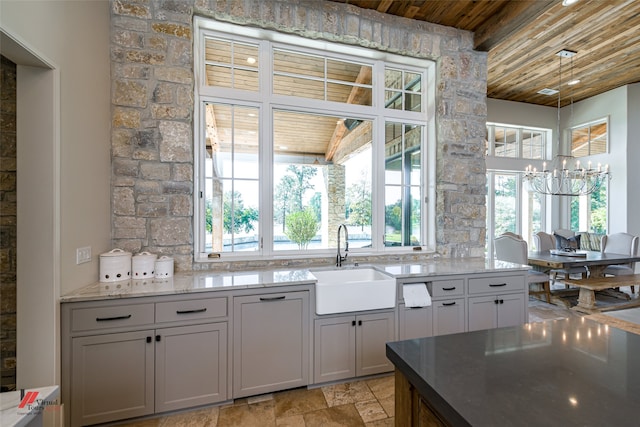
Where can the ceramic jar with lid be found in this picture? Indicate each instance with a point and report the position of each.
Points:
(143, 265)
(115, 265)
(164, 267)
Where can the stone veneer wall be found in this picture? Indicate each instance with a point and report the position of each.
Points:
(152, 113)
(8, 223)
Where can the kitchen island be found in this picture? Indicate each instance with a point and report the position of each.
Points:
(570, 372)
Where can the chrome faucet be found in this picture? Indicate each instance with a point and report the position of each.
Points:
(339, 257)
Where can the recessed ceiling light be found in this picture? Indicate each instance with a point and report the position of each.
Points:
(251, 60)
(573, 82)
(284, 147)
(569, 2)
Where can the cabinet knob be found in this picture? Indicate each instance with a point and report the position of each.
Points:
(359, 322)
(148, 339)
(158, 338)
(353, 323)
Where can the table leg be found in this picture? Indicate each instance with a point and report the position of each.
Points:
(586, 299)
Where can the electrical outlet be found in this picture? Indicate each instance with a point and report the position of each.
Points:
(83, 255)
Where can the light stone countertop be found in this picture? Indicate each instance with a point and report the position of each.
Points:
(206, 281)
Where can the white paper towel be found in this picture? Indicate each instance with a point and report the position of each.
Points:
(416, 295)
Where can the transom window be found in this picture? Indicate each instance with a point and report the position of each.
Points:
(515, 142)
(295, 137)
(589, 139)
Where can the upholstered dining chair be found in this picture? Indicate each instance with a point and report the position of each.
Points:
(620, 243)
(512, 249)
(545, 242)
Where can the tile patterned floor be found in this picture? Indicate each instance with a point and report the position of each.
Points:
(358, 403)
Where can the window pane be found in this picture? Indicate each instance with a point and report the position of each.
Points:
(348, 94)
(532, 145)
(231, 180)
(589, 213)
(311, 199)
(295, 86)
(286, 62)
(403, 178)
(505, 204)
(403, 90)
(506, 142)
(231, 64)
(598, 138)
(580, 142)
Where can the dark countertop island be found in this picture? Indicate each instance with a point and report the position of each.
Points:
(570, 372)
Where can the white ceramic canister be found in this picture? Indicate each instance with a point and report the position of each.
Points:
(164, 267)
(143, 265)
(115, 265)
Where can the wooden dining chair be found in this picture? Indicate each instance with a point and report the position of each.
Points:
(512, 249)
(620, 243)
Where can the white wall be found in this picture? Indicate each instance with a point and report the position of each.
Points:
(612, 104)
(63, 164)
(633, 159)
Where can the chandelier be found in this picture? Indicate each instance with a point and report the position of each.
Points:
(565, 176)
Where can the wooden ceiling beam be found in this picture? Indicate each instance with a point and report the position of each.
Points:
(508, 21)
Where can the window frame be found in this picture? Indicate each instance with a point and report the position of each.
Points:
(589, 125)
(268, 102)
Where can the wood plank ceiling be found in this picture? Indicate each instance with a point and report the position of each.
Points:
(522, 38)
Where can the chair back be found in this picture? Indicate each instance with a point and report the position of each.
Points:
(619, 243)
(564, 233)
(544, 241)
(508, 233)
(511, 249)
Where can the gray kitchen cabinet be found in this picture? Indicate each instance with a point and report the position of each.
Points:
(352, 346)
(271, 342)
(497, 301)
(415, 322)
(449, 316)
(191, 366)
(112, 377)
(133, 359)
(496, 311)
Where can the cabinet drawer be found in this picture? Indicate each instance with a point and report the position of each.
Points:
(447, 288)
(119, 316)
(206, 308)
(496, 284)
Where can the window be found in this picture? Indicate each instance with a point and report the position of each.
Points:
(589, 139)
(295, 137)
(589, 212)
(515, 142)
(510, 205)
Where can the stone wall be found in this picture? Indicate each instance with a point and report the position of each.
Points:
(152, 111)
(8, 223)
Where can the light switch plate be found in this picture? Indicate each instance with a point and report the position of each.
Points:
(83, 255)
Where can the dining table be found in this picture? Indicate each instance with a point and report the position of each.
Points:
(595, 261)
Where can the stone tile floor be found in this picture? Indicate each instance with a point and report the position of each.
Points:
(367, 402)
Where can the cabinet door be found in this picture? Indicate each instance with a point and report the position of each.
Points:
(448, 317)
(111, 377)
(271, 342)
(372, 334)
(191, 366)
(335, 349)
(415, 322)
(512, 310)
(483, 312)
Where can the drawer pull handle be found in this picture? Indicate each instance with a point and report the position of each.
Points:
(198, 310)
(105, 319)
(449, 303)
(453, 288)
(272, 298)
(496, 285)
